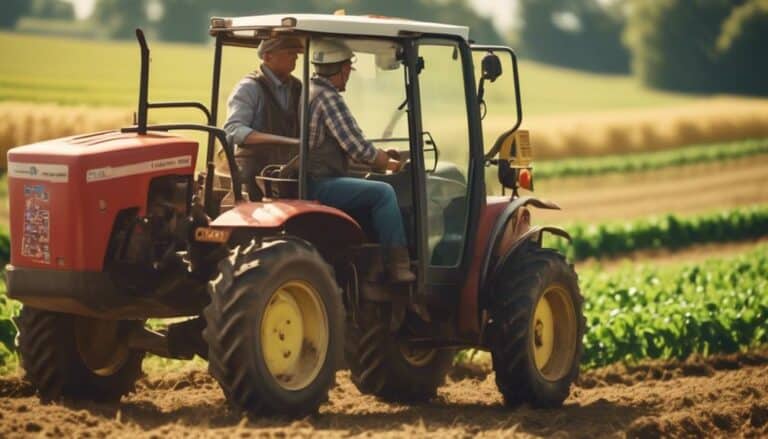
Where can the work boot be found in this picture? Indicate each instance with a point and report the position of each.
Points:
(399, 265)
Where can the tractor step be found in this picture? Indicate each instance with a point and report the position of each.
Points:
(182, 340)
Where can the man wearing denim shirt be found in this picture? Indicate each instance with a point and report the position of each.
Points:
(334, 138)
(262, 119)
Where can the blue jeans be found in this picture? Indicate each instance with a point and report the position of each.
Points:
(354, 194)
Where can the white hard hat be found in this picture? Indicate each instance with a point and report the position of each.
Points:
(330, 51)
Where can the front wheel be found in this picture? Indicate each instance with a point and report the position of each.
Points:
(69, 356)
(536, 328)
(275, 328)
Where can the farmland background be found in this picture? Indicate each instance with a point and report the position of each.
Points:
(664, 188)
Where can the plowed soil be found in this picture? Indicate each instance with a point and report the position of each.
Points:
(684, 190)
(724, 396)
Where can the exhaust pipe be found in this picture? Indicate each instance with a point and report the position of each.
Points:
(141, 121)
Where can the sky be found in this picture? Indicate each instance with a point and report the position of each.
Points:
(501, 11)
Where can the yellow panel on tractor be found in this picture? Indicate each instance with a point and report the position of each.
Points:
(517, 150)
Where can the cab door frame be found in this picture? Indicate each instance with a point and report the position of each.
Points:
(440, 282)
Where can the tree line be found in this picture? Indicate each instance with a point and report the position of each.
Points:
(682, 45)
(187, 20)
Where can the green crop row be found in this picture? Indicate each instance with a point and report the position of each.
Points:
(5, 249)
(8, 309)
(646, 312)
(649, 161)
(667, 232)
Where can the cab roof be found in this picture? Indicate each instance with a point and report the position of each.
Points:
(348, 25)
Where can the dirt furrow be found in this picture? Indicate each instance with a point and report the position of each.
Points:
(719, 396)
(687, 191)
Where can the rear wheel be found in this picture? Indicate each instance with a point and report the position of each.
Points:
(536, 328)
(77, 357)
(390, 369)
(275, 328)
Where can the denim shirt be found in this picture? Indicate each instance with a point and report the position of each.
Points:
(245, 106)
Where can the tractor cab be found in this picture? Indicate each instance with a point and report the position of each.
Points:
(420, 89)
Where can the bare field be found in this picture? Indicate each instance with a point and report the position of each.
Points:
(681, 190)
(718, 396)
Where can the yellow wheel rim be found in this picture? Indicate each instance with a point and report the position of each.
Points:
(101, 345)
(418, 357)
(553, 333)
(294, 335)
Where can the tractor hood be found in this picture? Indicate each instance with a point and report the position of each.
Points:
(65, 194)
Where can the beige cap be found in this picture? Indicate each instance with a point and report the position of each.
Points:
(280, 43)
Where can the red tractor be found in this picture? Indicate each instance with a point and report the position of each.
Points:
(111, 229)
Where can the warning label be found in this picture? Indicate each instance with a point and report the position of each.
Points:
(36, 240)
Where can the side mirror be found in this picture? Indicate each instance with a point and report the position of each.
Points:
(491, 66)
(491, 69)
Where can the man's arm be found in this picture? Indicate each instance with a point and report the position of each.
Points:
(343, 127)
(257, 137)
(243, 104)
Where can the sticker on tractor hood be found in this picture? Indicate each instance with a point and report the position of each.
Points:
(39, 171)
(110, 172)
(36, 240)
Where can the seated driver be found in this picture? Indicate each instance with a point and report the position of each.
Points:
(334, 137)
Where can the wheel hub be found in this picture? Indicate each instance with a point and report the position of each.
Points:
(554, 330)
(283, 333)
(543, 332)
(294, 335)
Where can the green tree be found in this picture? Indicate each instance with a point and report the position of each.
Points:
(11, 11)
(184, 20)
(458, 12)
(673, 42)
(52, 9)
(740, 48)
(120, 18)
(583, 34)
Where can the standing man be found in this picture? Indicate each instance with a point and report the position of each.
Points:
(263, 112)
(334, 138)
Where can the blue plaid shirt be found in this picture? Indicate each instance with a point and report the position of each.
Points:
(330, 115)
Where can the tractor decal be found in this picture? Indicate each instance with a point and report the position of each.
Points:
(39, 171)
(37, 224)
(109, 172)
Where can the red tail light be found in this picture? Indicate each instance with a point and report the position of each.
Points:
(524, 178)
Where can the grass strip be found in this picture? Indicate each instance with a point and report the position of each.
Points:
(650, 161)
(666, 232)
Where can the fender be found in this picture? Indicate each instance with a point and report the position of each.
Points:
(300, 218)
(500, 226)
(492, 230)
(534, 234)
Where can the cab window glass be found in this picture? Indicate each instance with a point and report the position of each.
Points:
(446, 155)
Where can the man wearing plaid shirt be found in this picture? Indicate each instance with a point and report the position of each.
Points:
(334, 138)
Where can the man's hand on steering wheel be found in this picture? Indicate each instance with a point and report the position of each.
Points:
(393, 154)
(395, 165)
